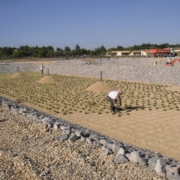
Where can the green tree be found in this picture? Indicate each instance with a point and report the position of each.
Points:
(17, 53)
(119, 48)
(59, 50)
(112, 49)
(77, 48)
(67, 49)
(42, 52)
(7, 51)
(25, 50)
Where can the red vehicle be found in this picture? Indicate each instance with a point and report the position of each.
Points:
(166, 52)
(171, 62)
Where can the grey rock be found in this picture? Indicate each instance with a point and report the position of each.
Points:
(89, 140)
(30, 115)
(127, 155)
(46, 119)
(173, 173)
(96, 143)
(77, 133)
(152, 163)
(14, 110)
(83, 139)
(73, 130)
(110, 145)
(160, 168)
(24, 114)
(62, 137)
(63, 127)
(143, 161)
(7, 106)
(22, 110)
(56, 125)
(74, 138)
(41, 116)
(120, 159)
(67, 131)
(115, 148)
(85, 133)
(48, 123)
(106, 151)
(121, 151)
(134, 157)
(94, 137)
(103, 142)
(35, 118)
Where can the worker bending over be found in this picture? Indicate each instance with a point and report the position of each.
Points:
(112, 98)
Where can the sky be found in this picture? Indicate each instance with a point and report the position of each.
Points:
(88, 23)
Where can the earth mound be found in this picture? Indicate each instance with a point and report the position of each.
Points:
(18, 75)
(101, 87)
(47, 80)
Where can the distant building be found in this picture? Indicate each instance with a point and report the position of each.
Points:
(129, 53)
(135, 53)
(118, 53)
(146, 52)
(177, 51)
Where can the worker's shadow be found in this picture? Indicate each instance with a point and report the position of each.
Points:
(130, 108)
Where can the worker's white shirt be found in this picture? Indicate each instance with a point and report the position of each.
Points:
(113, 94)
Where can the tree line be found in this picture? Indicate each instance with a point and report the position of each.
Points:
(49, 51)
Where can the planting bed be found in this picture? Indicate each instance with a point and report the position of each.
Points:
(148, 118)
(70, 95)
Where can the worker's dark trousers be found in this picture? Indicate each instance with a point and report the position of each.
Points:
(113, 108)
(42, 71)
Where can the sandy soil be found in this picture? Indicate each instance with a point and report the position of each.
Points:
(173, 88)
(32, 60)
(157, 131)
(38, 62)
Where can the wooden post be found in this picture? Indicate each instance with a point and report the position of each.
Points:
(100, 76)
(48, 71)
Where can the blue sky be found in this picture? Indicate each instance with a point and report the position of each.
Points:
(88, 23)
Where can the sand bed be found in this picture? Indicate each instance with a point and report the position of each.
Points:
(155, 130)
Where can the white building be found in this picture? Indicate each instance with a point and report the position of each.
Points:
(118, 53)
(129, 53)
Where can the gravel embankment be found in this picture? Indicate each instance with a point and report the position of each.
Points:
(141, 69)
(26, 141)
(30, 151)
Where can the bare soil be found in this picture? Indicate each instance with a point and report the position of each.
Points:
(101, 87)
(48, 79)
